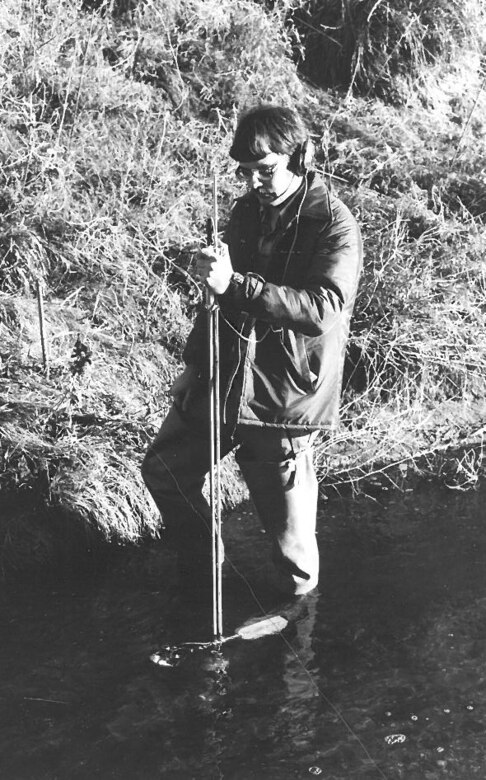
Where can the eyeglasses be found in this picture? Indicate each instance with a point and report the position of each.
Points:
(265, 173)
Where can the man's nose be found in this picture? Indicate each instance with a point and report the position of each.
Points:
(254, 179)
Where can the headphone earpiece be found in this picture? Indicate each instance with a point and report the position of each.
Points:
(301, 159)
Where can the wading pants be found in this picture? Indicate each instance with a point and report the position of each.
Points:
(278, 469)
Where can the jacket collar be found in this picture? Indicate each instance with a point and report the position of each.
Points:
(317, 203)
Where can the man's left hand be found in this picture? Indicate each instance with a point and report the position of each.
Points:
(214, 268)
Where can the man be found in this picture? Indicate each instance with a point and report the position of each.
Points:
(285, 280)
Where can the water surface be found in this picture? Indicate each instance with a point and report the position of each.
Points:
(381, 673)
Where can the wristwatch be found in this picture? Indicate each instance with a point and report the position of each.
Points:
(236, 280)
(247, 287)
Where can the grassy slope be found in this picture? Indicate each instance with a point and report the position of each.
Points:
(110, 125)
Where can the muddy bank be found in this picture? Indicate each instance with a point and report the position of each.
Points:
(42, 543)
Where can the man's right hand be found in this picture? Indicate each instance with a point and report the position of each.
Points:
(185, 386)
(214, 268)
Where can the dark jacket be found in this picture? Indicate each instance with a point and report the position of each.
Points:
(286, 365)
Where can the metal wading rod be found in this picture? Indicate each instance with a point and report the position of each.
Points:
(172, 655)
(215, 435)
(42, 329)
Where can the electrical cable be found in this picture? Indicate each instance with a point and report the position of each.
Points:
(252, 337)
(289, 254)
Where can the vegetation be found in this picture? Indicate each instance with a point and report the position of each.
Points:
(113, 115)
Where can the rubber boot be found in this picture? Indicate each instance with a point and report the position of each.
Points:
(285, 498)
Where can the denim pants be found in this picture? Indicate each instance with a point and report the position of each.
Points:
(277, 466)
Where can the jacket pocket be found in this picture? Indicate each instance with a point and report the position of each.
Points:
(294, 345)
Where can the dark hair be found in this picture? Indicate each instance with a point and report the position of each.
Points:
(266, 129)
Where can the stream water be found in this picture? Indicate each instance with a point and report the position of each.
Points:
(381, 673)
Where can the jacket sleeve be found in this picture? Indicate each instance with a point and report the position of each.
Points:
(329, 283)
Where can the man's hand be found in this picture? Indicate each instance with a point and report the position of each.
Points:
(214, 268)
(185, 386)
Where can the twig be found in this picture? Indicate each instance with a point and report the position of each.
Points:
(81, 79)
(49, 701)
(157, 156)
(468, 121)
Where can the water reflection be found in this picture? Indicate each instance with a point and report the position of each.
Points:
(391, 645)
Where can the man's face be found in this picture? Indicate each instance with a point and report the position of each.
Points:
(269, 177)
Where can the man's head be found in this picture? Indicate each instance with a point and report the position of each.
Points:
(269, 144)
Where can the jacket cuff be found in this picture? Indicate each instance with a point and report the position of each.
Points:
(245, 288)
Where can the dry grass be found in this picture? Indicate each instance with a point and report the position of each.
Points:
(112, 117)
(417, 362)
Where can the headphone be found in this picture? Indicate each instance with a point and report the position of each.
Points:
(301, 159)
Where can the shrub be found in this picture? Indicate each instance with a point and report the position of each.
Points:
(378, 48)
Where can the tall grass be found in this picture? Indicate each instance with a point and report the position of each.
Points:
(417, 362)
(112, 116)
